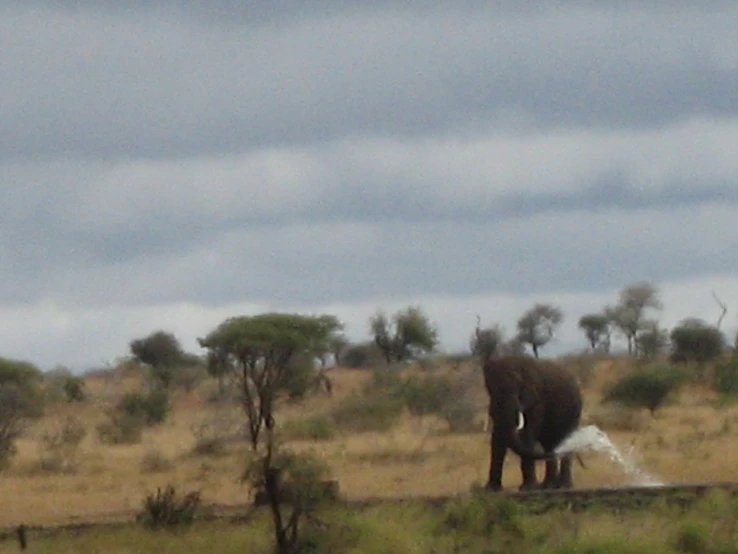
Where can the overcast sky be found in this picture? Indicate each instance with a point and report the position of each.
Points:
(165, 164)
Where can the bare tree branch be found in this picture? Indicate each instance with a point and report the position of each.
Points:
(722, 307)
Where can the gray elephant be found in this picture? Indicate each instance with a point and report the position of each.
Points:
(531, 402)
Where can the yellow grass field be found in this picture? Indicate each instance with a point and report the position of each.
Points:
(690, 440)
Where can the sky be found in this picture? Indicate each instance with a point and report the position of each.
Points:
(169, 164)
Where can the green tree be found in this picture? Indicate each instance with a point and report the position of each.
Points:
(693, 340)
(20, 402)
(162, 352)
(628, 316)
(537, 326)
(262, 350)
(651, 341)
(596, 328)
(408, 335)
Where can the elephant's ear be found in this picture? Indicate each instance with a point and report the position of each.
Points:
(528, 392)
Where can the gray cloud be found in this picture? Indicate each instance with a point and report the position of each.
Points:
(166, 164)
(134, 84)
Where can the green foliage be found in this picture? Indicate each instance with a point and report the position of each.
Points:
(407, 336)
(646, 387)
(538, 325)
(692, 538)
(426, 395)
(300, 377)
(165, 509)
(360, 413)
(596, 328)
(74, 389)
(726, 377)
(483, 516)
(120, 428)
(693, 340)
(20, 401)
(363, 355)
(162, 352)
(152, 408)
(189, 375)
(262, 350)
(314, 428)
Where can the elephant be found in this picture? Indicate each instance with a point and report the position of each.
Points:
(531, 402)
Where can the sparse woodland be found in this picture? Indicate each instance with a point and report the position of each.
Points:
(284, 404)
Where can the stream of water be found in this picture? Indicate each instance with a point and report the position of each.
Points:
(593, 438)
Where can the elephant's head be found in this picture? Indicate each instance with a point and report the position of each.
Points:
(514, 402)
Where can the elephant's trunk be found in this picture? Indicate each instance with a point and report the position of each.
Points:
(523, 450)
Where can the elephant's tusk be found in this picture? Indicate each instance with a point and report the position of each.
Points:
(521, 421)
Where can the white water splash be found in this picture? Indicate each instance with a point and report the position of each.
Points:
(593, 438)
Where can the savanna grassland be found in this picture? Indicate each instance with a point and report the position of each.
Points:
(690, 439)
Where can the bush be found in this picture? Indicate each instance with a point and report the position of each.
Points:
(426, 395)
(645, 388)
(461, 416)
(365, 355)
(152, 408)
(726, 377)
(214, 433)
(315, 428)
(153, 461)
(693, 340)
(59, 448)
(74, 389)
(692, 538)
(482, 515)
(165, 509)
(121, 428)
(361, 413)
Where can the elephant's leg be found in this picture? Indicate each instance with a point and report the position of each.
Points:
(528, 465)
(498, 449)
(565, 480)
(551, 480)
(528, 469)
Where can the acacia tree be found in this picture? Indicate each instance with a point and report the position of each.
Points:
(162, 352)
(651, 340)
(628, 316)
(693, 340)
(261, 351)
(537, 326)
(596, 328)
(20, 401)
(408, 335)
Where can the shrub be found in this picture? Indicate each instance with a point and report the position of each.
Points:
(121, 428)
(59, 448)
(360, 413)
(152, 408)
(20, 402)
(726, 377)
(692, 538)
(165, 509)
(645, 388)
(363, 355)
(316, 428)
(426, 395)
(693, 340)
(460, 415)
(213, 434)
(74, 389)
(153, 461)
(482, 515)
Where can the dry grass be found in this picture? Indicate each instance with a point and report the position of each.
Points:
(689, 441)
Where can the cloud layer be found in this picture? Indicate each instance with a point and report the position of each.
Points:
(167, 166)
